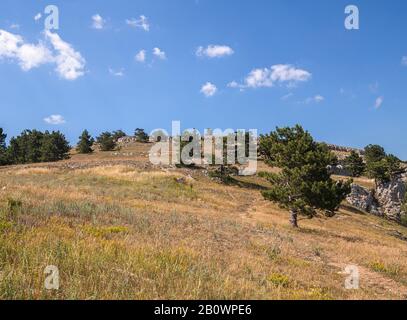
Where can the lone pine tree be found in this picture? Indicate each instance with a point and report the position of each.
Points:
(85, 143)
(304, 185)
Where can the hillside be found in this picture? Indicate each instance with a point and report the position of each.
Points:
(118, 228)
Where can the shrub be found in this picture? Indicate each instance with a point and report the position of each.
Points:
(13, 208)
(141, 135)
(118, 134)
(106, 141)
(279, 280)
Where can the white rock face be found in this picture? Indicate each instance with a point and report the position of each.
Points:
(363, 198)
(385, 201)
(390, 197)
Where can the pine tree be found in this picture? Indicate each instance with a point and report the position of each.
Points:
(85, 143)
(3, 149)
(380, 166)
(106, 141)
(33, 146)
(304, 185)
(374, 153)
(118, 134)
(141, 135)
(355, 164)
(54, 147)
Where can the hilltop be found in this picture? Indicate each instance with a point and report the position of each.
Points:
(118, 227)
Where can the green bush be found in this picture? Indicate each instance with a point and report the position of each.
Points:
(106, 141)
(33, 146)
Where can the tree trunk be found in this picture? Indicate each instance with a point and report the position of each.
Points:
(293, 218)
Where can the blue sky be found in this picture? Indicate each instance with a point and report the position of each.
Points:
(292, 61)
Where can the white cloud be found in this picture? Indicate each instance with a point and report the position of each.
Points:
(141, 56)
(98, 22)
(55, 119)
(160, 54)
(404, 61)
(15, 26)
(233, 84)
(316, 99)
(379, 102)
(214, 51)
(28, 56)
(287, 96)
(69, 63)
(277, 74)
(141, 22)
(38, 16)
(116, 73)
(209, 89)
(32, 56)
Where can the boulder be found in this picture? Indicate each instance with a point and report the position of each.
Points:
(390, 197)
(386, 201)
(364, 199)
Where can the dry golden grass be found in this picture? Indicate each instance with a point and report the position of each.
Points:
(118, 230)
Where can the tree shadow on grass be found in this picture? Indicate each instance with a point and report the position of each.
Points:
(353, 209)
(231, 181)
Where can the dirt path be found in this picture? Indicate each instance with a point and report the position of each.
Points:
(381, 285)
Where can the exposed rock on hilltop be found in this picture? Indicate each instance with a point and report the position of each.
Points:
(391, 195)
(385, 201)
(363, 198)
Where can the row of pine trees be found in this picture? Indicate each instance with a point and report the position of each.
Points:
(33, 146)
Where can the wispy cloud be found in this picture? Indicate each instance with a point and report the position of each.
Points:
(209, 89)
(404, 61)
(70, 63)
(51, 50)
(315, 99)
(141, 22)
(55, 119)
(283, 74)
(379, 102)
(286, 96)
(98, 22)
(27, 55)
(214, 51)
(116, 73)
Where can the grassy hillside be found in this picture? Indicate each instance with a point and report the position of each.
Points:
(118, 228)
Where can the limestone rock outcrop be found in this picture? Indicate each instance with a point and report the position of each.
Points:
(385, 201)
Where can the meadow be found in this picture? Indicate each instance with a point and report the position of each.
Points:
(119, 228)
